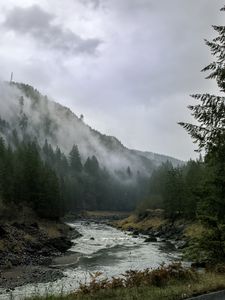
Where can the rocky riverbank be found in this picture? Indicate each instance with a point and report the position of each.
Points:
(152, 224)
(27, 250)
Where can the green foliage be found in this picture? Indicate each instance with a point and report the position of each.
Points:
(176, 190)
(75, 160)
(52, 184)
(26, 180)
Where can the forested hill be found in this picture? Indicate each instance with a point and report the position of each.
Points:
(45, 119)
(51, 161)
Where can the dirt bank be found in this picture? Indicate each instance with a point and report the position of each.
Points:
(28, 248)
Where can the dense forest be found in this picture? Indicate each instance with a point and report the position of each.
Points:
(176, 190)
(53, 184)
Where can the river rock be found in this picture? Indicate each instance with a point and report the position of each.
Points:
(61, 243)
(130, 229)
(150, 239)
(198, 264)
(2, 232)
(74, 234)
(136, 233)
(181, 245)
(22, 275)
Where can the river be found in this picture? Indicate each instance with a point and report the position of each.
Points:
(101, 248)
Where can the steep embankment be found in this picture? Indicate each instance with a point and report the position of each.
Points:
(28, 245)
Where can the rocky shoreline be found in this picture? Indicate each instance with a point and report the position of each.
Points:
(165, 233)
(152, 224)
(22, 275)
(28, 249)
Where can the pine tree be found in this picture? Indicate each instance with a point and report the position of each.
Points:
(210, 131)
(91, 166)
(129, 172)
(75, 160)
(2, 147)
(210, 112)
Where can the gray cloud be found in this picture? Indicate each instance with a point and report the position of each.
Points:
(138, 87)
(38, 24)
(94, 3)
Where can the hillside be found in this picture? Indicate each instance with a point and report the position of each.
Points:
(158, 159)
(23, 108)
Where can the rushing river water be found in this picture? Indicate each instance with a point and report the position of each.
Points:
(101, 248)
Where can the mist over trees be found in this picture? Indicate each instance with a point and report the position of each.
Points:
(35, 115)
(52, 184)
(26, 180)
(90, 170)
(176, 190)
(40, 174)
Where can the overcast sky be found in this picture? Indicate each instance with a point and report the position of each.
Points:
(127, 65)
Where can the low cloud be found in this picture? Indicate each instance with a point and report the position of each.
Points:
(39, 25)
(137, 87)
(94, 3)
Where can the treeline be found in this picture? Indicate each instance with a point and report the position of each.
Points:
(53, 184)
(178, 191)
(88, 186)
(26, 180)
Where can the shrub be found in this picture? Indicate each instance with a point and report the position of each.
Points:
(135, 278)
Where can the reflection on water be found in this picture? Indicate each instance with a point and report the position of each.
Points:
(105, 249)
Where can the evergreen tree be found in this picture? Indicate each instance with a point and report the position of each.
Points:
(174, 193)
(129, 172)
(194, 175)
(75, 160)
(210, 113)
(2, 147)
(91, 166)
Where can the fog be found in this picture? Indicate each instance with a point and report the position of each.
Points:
(48, 120)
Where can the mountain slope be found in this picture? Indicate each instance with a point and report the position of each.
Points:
(158, 159)
(23, 108)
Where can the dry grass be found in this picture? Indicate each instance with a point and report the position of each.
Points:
(29, 238)
(2, 245)
(98, 213)
(133, 222)
(194, 230)
(53, 229)
(52, 232)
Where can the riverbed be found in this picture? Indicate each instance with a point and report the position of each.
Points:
(101, 248)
